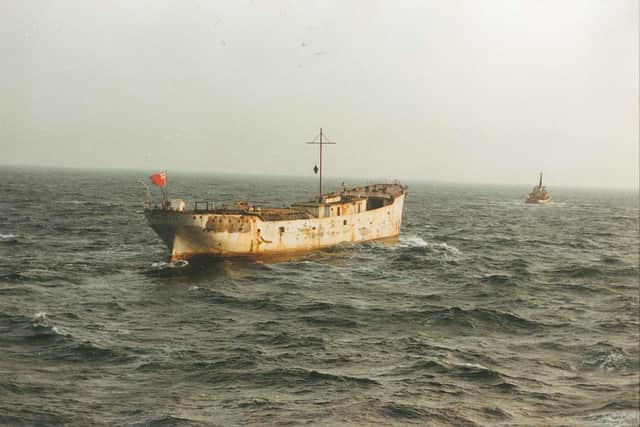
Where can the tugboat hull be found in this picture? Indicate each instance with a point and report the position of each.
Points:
(539, 202)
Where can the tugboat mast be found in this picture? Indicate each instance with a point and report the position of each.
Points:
(321, 143)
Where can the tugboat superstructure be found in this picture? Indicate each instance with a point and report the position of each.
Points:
(539, 194)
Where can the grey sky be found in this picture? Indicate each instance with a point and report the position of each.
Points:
(468, 91)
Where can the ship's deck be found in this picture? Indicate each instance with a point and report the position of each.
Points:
(384, 193)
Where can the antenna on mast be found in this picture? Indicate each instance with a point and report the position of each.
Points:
(315, 169)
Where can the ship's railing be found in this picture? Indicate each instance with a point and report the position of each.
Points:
(204, 206)
(283, 214)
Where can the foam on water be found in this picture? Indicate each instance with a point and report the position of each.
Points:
(40, 316)
(413, 241)
(7, 236)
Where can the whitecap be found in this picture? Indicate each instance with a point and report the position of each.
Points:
(40, 316)
(612, 361)
(419, 242)
(72, 202)
(169, 265)
(472, 365)
(7, 236)
(57, 331)
(449, 248)
(413, 242)
(617, 418)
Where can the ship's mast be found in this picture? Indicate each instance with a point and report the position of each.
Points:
(321, 143)
(540, 184)
(164, 190)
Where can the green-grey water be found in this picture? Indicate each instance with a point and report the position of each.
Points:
(486, 311)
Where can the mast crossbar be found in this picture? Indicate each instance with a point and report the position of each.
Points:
(320, 143)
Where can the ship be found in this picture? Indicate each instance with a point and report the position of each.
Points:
(539, 194)
(350, 215)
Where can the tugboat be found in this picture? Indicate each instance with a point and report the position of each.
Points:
(539, 194)
(369, 212)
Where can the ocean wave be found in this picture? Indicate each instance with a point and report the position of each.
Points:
(583, 289)
(496, 413)
(43, 320)
(197, 367)
(616, 417)
(287, 340)
(325, 321)
(167, 269)
(579, 271)
(242, 361)
(282, 378)
(20, 290)
(46, 332)
(430, 368)
(259, 304)
(582, 244)
(419, 414)
(37, 276)
(300, 376)
(412, 241)
(480, 318)
(107, 306)
(9, 239)
(611, 259)
(36, 416)
(72, 202)
(56, 343)
(499, 279)
(259, 403)
(604, 356)
(168, 421)
(625, 272)
(477, 373)
(41, 316)
(85, 351)
(618, 325)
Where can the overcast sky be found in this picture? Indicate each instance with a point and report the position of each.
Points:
(468, 91)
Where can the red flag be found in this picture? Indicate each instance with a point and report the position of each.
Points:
(159, 179)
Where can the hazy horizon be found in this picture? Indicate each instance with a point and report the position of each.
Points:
(435, 91)
(328, 181)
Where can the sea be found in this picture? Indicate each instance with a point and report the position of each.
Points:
(485, 312)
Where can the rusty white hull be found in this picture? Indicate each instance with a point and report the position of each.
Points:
(255, 232)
